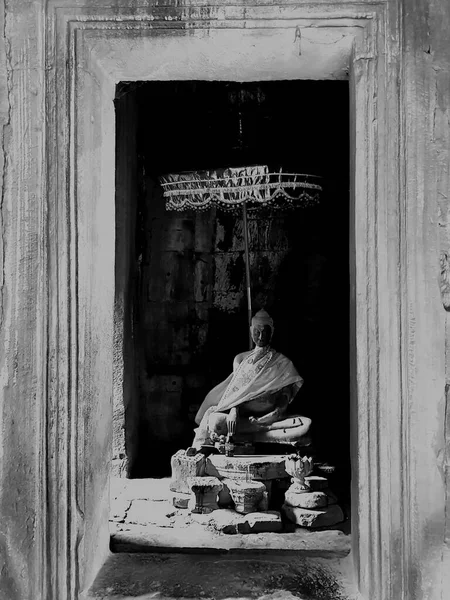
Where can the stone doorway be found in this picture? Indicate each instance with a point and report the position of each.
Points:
(180, 297)
(335, 41)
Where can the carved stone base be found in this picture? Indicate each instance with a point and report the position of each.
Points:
(183, 467)
(247, 495)
(205, 491)
(246, 467)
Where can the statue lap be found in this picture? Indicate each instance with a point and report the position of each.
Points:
(284, 428)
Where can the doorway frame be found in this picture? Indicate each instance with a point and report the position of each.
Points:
(80, 273)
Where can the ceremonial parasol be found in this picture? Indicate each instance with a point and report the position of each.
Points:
(241, 189)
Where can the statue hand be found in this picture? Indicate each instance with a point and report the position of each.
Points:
(232, 418)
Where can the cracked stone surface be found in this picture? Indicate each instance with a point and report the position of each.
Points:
(143, 518)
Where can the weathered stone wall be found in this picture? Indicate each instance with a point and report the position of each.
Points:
(125, 390)
(426, 101)
(53, 504)
(23, 321)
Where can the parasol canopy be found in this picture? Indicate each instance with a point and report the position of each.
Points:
(228, 189)
(241, 189)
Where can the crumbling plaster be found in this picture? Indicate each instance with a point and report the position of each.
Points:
(56, 279)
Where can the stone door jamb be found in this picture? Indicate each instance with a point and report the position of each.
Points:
(80, 86)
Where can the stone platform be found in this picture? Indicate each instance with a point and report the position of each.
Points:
(143, 519)
(247, 467)
(253, 483)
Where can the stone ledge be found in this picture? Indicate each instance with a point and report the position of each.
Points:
(198, 539)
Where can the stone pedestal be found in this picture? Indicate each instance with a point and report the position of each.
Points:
(308, 501)
(260, 468)
(184, 467)
(247, 495)
(205, 491)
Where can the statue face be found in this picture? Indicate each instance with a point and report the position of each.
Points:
(261, 334)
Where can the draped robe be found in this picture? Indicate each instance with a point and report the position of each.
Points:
(257, 373)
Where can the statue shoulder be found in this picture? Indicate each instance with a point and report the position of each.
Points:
(240, 357)
(284, 361)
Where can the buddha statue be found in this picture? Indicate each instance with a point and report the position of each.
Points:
(251, 404)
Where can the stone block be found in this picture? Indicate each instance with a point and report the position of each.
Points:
(317, 483)
(309, 500)
(205, 491)
(184, 467)
(264, 522)
(246, 495)
(332, 515)
(181, 500)
(230, 522)
(246, 467)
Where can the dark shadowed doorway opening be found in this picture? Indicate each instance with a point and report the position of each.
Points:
(184, 304)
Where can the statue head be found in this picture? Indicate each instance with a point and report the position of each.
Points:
(261, 328)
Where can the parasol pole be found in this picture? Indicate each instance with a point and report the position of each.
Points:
(244, 219)
(247, 273)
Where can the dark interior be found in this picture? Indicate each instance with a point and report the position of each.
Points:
(188, 307)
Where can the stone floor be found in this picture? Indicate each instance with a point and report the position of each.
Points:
(211, 577)
(143, 519)
(163, 553)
